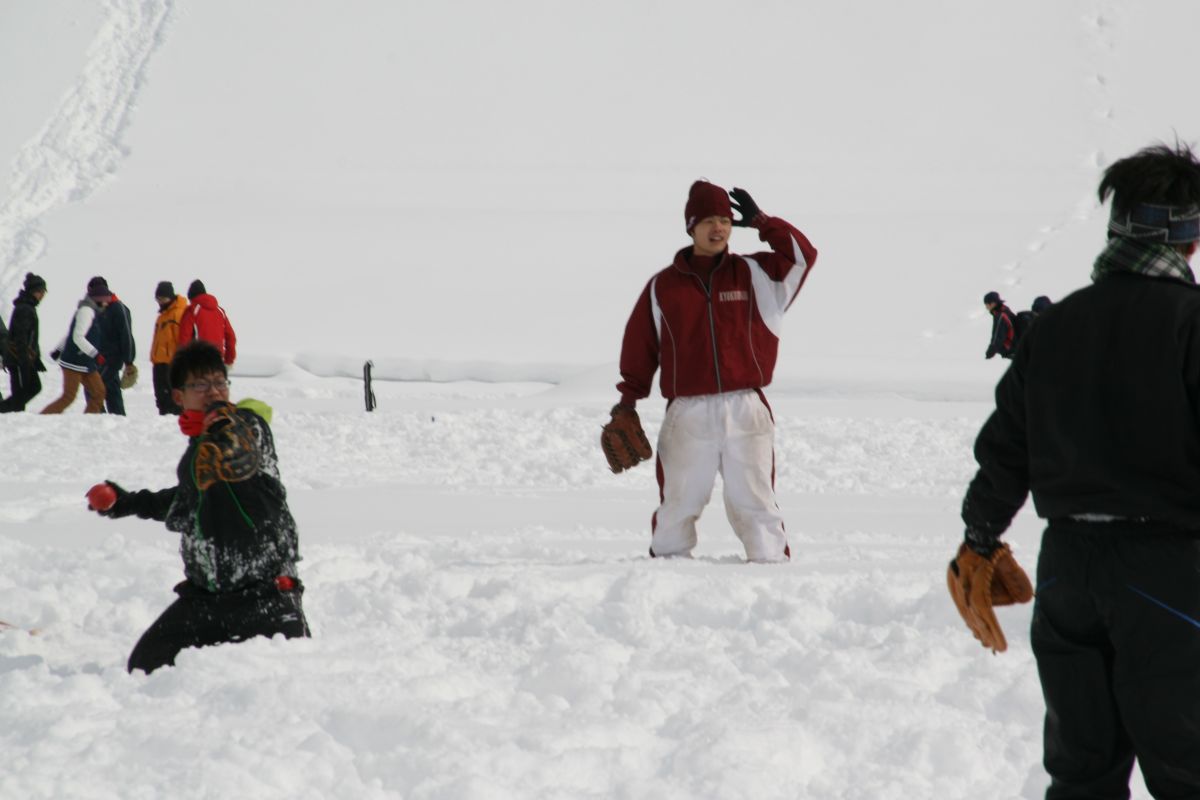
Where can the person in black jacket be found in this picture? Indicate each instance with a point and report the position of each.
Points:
(23, 355)
(3, 344)
(238, 538)
(114, 333)
(1098, 417)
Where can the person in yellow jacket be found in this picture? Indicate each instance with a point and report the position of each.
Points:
(166, 339)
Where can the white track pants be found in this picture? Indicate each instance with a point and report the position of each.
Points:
(728, 433)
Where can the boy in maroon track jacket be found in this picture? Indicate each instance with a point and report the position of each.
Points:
(710, 324)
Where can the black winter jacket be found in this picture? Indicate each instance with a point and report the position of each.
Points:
(114, 334)
(1099, 413)
(23, 347)
(235, 532)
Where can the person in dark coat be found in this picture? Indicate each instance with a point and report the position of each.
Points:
(1025, 319)
(1004, 331)
(114, 331)
(238, 538)
(3, 345)
(23, 355)
(1098, 417)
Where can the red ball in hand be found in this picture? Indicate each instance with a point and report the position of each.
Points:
(101, 497)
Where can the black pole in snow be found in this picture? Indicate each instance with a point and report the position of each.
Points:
(368, 392)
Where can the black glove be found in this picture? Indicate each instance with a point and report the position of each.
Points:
(123, 507)
(981, 542)
(744, 204)
(991, 353)
(55, 354)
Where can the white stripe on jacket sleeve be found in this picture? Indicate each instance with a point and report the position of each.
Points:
(773, 297)
(83, 321)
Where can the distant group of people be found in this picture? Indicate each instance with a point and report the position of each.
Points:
(239, 542)
(98, 351)
(179, 322)
(1008, 326)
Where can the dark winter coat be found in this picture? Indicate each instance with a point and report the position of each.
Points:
(79, 349)
(236, 532)
(1099, 413)
(114, 334)
(1004, 333)
(23, 348)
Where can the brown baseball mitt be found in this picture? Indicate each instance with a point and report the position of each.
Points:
(624, 442)
(977, 584)
(229, 451)
(129, 376)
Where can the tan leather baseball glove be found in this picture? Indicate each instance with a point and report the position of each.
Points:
(129, 376)
(977, 584)
(624, 442)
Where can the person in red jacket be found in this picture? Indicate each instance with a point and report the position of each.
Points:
(205, 319)
(710, 324)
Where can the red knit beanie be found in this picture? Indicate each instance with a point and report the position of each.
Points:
(705, 200)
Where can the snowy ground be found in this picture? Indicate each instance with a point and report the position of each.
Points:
(473, 193)
(487, 624)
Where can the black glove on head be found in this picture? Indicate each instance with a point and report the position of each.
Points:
(744, 204)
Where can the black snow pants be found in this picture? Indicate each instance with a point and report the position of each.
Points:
(1116, 635)
(160, 374)
(198, 619)
(25, 385)
(110, 373)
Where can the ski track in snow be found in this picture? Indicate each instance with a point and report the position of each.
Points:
(79, 148)
(1098, 24)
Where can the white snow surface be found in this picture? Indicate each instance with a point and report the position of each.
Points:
(472, 194)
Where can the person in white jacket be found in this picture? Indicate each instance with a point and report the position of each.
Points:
(78, 355)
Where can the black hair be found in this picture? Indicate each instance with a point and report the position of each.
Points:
(196, 289)
(196, 358)
(1160, 175)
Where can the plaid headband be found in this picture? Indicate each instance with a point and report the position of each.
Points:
(1146, 222)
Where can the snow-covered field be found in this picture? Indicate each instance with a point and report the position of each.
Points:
(486, 623)
(472, 194)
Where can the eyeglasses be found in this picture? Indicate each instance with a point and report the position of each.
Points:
(219, 385)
